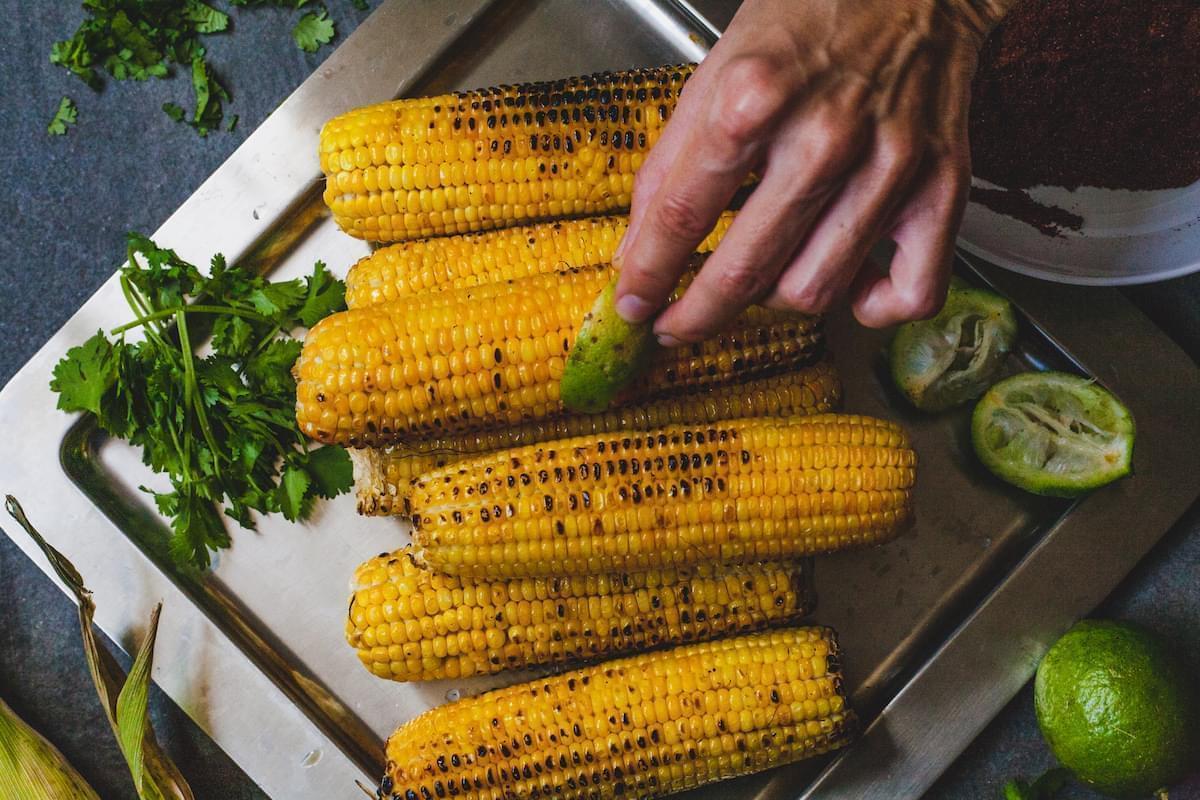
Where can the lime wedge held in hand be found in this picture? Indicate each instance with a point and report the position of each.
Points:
(1118, 708)
(1052, 433)
(944, 361)
(607, 355)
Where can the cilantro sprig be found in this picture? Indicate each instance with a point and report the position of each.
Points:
(222, 426)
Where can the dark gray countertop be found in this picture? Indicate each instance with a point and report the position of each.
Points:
(125, 166)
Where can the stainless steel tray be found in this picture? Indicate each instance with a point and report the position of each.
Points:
(940, 627)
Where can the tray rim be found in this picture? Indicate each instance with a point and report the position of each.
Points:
(286, 719)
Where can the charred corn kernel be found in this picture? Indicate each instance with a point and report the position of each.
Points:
(456, 262)
(382, 477)
(640, 727)
(478, 627)
(525, 328)
(732, 492)
(493, 158)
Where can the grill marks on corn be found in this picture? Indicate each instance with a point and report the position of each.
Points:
(410, 624)
(457, 262)
(491, 355)
(742, 491)
(491, 158)
(810, 390)
(640, 727)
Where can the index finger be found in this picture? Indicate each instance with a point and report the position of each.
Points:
(713, 158)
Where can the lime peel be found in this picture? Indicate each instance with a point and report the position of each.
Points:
(608, 354)
(1118, 709)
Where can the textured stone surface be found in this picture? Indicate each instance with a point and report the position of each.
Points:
(67, 202)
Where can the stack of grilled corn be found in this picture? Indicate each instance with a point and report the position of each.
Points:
(540, 537)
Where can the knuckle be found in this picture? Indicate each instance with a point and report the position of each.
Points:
(757, 98)
(679, 218)
(898, 155)
(806, 298)
(832, 145)
(740, 282)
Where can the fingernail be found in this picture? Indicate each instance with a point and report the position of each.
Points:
(667, 340)
(632, 308)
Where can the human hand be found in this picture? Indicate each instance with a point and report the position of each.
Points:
(853, 113)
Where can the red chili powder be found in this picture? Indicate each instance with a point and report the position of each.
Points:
(1090, 93)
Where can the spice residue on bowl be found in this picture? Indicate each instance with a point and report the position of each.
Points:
(1016, 203)
(1071, 93)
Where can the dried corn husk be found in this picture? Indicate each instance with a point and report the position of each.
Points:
(31, 768)
(124, 698)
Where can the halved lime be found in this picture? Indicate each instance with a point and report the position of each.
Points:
(1052, 433)
(953, 357)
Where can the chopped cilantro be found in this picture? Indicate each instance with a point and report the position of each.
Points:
(63, 118)
(313, 30)
(142, 39)
(221, 426)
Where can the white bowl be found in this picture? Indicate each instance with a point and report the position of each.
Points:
(1126, 238)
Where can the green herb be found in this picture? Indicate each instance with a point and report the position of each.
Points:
(313, 30)
(63, 118)
(124, 698)
(222, 426)
(1045, 787)
(141, 39)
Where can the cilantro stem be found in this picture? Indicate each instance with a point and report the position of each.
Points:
(139, 306)
(194, 401)
(266, 340)
(187, 309)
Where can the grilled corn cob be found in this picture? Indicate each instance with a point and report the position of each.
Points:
(641, 727)
(409, 624)
(492, 158)
(465, 359)
(457, 262)
(382, 477)
(732, 492)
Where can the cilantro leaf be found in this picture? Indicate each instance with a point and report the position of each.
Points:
(205, 18)
(277, 299)
(361, 5)
(313, 30)
(232, 337)
(292, 494)
(65, 116)
(210, 95)
(196, 526)
(325, 295)
(1046, 787)
(85, 375)
(174, 111)
(331, 471)
(271, 370)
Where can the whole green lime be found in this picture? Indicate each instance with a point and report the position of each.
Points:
(1118, 708)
